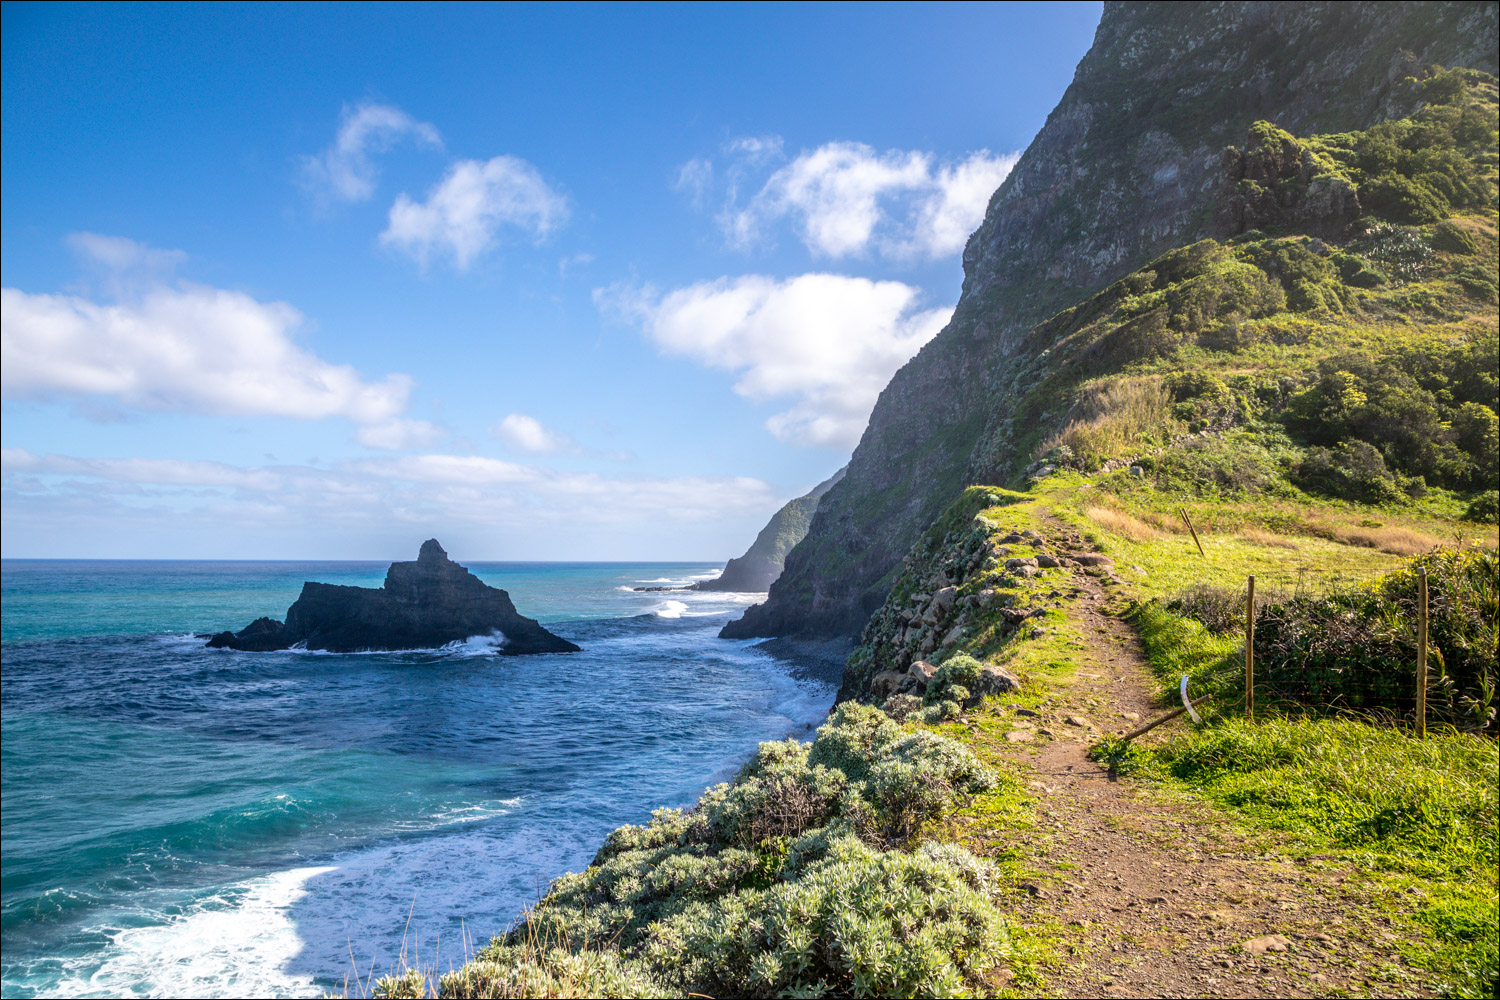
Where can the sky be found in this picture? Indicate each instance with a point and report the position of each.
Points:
(553, 282)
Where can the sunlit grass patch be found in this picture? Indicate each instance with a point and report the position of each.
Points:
(1417, 817)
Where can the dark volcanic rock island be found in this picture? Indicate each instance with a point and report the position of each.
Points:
(423, 605)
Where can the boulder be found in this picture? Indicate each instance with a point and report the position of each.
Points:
(921, 671)
(1047, 561)
(1028, 562)
(886, 683)
(1093, 559)
(261, 636)
(995, 680)
(423, 605)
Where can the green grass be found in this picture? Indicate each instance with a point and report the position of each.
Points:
(1415, 819)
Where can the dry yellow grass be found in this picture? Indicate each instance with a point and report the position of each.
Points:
(1394, 539)
(1258, 537)
(1112, 418)
(1121, 523)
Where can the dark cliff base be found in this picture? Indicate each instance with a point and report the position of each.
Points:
(819, 660)
(424, 604)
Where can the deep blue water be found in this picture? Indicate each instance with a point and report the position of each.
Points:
(180, 821)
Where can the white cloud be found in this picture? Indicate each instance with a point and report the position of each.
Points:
(125, 258)
(847, 199)
(401, 434)
(527, 434)
(464, 211)
(471, 495)
(947, 216)
(344, 170)
(186, 348)
(158, 471)
(694, 179)
(827, 341)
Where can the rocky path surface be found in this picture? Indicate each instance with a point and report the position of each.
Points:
(1156, 893)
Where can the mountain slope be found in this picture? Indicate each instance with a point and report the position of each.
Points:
(763, 562)
(1127, 167)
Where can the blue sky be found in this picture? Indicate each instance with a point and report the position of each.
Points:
(547, 282)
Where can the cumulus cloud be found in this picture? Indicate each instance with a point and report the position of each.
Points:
(848, 199)
(186, 348)
(464, 211)
(828, 342)
(344, 170)
(527, 434)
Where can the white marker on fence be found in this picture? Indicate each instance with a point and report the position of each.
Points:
(1185, 703)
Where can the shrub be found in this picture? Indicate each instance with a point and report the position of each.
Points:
(1357, 649)
(1353, 470)
(900, 706)
(1453, 239)
(954, 680)
(790, 880)
(1485, 508)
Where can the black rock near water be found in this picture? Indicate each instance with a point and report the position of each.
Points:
(423, 605)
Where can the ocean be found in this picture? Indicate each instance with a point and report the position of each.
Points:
(187, 822)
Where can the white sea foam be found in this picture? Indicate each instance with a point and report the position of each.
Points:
(478, 645)
(669, 609)
(237, 943)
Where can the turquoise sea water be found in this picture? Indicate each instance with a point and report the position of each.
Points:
(179, 821)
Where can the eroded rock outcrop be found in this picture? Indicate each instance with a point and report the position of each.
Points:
(424, 604)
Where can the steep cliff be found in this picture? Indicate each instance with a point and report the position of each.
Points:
(763, 562)
(1128, 166)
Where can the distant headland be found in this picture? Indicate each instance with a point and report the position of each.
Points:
(424, 604)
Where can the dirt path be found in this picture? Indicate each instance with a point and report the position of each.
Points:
(1156, 893)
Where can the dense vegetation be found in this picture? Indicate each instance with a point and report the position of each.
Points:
(1355, 649)
(1361, 367)
(801, 877)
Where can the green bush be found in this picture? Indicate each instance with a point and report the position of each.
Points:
(794, 879)
(954, 680)
(1357, 649)
(1352, 470)
(1453, 239)
(1485, 508)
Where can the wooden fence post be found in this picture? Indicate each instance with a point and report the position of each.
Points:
(1421, 653)
(1250, 649)
(1193, 531)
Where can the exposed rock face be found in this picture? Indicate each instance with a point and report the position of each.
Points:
(763, 562)
(1129, 165)
(423, 605)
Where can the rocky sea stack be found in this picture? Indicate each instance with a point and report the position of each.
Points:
(423, 605)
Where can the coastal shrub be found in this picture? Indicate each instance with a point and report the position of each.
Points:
(1428, 413)
(1353, 470)
(954, 680)
(899, 706)
(794, 879)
